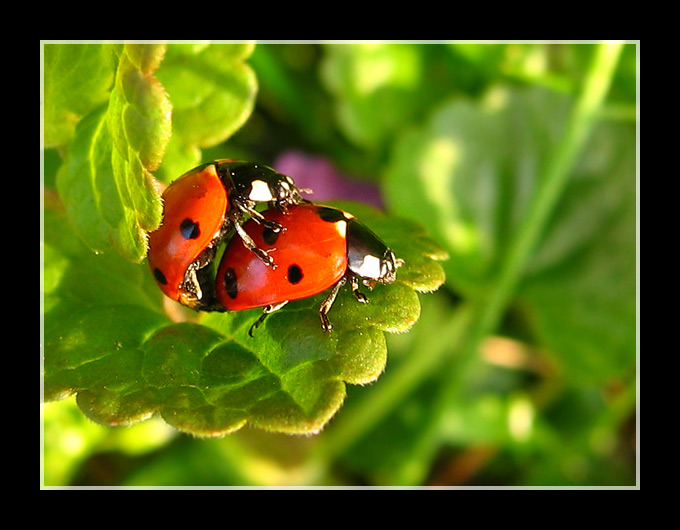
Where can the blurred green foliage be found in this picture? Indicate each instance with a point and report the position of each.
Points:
(522, 370)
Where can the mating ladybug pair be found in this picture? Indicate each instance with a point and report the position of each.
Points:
(294, 249)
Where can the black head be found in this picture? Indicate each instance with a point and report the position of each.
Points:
(284, 190)
(368, 257)
(256, 183)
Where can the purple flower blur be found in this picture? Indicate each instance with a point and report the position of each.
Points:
(318, 174)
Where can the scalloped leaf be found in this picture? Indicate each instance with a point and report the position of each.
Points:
(109, 340)
(105, 181)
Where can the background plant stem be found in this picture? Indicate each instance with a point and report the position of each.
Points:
(489, 311)
(475, 320)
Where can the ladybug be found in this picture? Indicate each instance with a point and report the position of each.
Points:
(199, 210)
(321, 248)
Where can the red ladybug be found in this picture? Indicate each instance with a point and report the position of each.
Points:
(321, 248)
(199, 209)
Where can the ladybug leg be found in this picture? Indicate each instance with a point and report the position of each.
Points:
(328, 303)
(260, 219)
(265, 312)
(248, 209)
(197, 288)
(273, 225)
(250, 245)
(190, 290)
(354, 283)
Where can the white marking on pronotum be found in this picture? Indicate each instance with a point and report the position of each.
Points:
(370, 267)
(259, 191)
(341, 227)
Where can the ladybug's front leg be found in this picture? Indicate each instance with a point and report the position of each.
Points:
(361, 297)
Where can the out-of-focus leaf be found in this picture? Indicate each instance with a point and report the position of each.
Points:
(469, 175)
(579, 295)
(212, 90)
(374, 85)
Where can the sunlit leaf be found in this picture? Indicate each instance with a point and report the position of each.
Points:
(105, 181)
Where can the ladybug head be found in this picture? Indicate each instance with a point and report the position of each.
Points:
(254, 183)
(285, 192)
(388, 267)
(368, 257)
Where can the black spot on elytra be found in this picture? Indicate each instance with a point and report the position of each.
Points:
(160, 277)
(189, 229)
(230, 285)
(294, 274)
(269, 236)
(330, 215)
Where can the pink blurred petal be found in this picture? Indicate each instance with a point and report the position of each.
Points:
(319, 174)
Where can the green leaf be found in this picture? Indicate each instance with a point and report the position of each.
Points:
(375, 87)
(469, 175)
(213, 92)
(109, 340)
(475, 167)
(77, 80)
(105, 181)
(579, 295)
